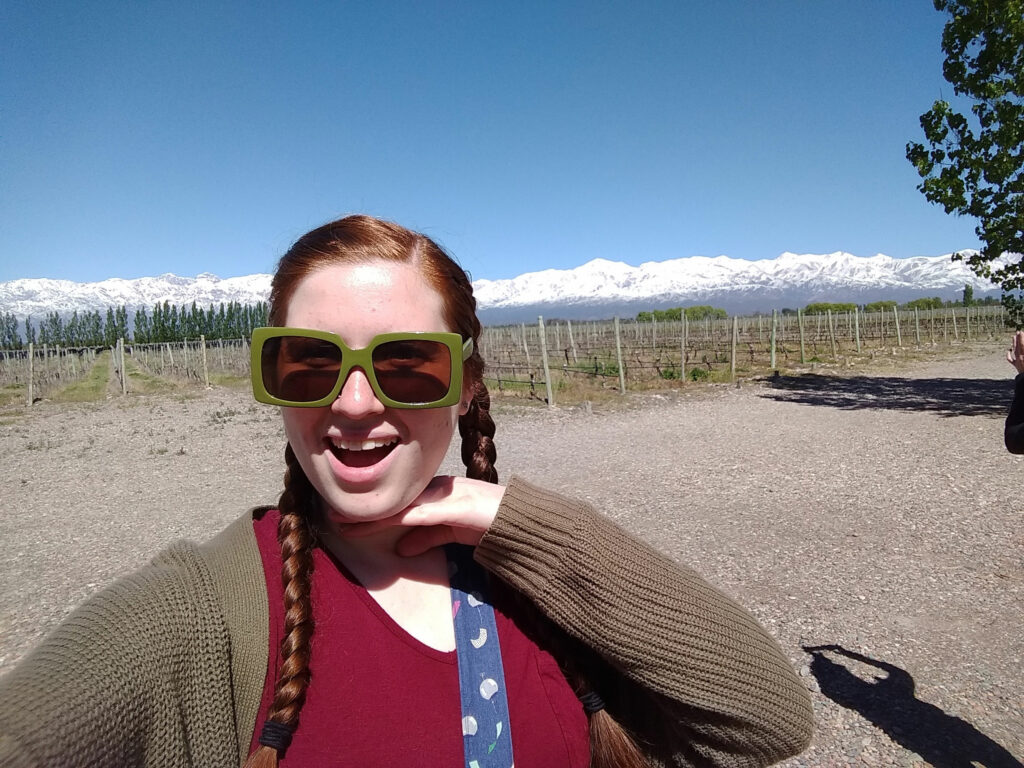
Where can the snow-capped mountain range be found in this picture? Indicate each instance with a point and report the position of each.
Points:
(597, 289)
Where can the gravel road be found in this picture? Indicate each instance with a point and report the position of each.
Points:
(874, 519)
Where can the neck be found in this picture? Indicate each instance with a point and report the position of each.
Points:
(376, 546)
(373, 560)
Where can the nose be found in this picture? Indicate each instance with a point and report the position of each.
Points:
(357, 398)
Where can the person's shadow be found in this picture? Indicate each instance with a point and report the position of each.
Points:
(945, 741)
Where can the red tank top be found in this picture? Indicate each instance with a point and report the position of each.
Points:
(378, 696)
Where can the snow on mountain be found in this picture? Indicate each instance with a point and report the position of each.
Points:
(597, 289)
(36, 297)
(601, 288)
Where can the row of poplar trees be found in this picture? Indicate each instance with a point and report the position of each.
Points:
(166, 322)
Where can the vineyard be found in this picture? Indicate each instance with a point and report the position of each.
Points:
(588, 357)
(554, 362)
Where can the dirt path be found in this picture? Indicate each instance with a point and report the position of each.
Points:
(877, 516)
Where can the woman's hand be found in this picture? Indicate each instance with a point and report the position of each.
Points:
(1015, 356)
(449, 510)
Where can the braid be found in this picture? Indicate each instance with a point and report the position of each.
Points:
(477, 431)
(296, 540)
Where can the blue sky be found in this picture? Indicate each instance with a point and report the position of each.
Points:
(142, 138)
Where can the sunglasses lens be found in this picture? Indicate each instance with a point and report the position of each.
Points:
(413, 371)
(299, 368)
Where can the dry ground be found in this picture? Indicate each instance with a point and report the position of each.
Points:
(876, 518)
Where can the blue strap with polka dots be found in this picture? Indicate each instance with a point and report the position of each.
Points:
(486, 737)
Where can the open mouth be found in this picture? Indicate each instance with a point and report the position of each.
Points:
(362, 453)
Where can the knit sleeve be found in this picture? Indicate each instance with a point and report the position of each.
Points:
(1013, 434)
(139, 675)
(704, 674)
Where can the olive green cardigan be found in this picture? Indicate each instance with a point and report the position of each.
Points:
(166, 667)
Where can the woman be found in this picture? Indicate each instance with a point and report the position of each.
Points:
(336, 629)
(1013, 430)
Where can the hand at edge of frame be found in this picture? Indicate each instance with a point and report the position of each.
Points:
(1015, 356)
(450, 510)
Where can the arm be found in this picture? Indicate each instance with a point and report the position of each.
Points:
(724, 692)
(139, 675)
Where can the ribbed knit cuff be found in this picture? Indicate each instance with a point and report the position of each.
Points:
(528, 537)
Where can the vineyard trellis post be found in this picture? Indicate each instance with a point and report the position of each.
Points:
(526, 348)
(899, 336)
(206, 374)
(618, 353)
(120, 356)
(917, 328)
(735, 333)
(544, 360)
(572, 342)
(800, 324)
(831, 334)
(682, 357)
(856, 327)
(956, 333)
(771, 338)
(967, 321)
(31, 365)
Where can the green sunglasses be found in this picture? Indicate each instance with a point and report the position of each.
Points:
(305, 368)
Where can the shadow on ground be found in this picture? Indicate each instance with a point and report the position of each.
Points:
(945, 397)
(888, 702)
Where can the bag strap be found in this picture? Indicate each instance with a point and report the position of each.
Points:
(487, 738)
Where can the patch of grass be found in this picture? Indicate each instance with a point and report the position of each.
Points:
(142, 382)
(669, 373)
(229, 380)
(13, 393)
(91, 387)
(698, 374)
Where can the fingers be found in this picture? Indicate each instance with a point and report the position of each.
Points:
(449, 509)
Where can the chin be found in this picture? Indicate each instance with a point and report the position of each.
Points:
(364, 507)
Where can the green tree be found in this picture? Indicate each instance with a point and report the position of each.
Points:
(880, 306)
(974, 165)
(933, 303)
(110, 328)
(822, 307)
(703, 311)
(968, 295)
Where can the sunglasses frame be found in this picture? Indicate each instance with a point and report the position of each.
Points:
(459, 351)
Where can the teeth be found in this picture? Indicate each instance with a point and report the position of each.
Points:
(362, 445)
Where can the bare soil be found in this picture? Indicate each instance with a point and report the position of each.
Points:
(872, 521)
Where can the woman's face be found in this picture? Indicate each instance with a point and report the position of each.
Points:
(367, 461)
